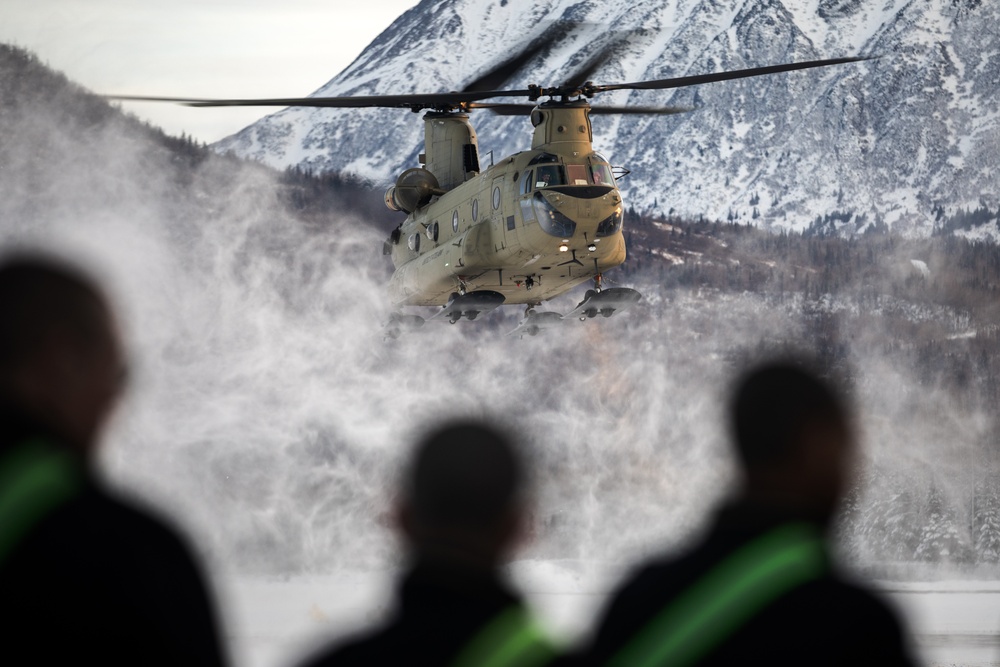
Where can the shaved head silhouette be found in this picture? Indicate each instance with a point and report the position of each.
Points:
(464, 473)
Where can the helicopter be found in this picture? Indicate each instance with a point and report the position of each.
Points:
(530, 226)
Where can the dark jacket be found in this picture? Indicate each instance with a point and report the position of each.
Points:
(440, 610)
(825, 621)
(95, 580)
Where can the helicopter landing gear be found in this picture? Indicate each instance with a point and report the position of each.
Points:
(529, 282)
(604, 303)
(534, 322)
(470, 306)
(599, 282)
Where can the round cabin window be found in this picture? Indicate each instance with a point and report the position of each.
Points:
(475, 209)
(496, 198)
(454, 221)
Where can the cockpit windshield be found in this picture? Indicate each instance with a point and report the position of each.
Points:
(576, 174)
(547, 175)
(549, 172)
(602, 174)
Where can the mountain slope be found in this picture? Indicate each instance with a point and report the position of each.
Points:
(884, 141)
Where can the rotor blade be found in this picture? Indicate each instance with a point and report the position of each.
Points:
(639, 111)
(582, 75)
(504, 109)
(496, 77)
(679, 82)
(456, 99)
(524, 109)
(388, 101)
(147, 98)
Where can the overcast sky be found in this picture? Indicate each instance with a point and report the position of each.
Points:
(198, 48)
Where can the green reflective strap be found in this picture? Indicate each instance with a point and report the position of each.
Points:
(34, 479)
(512, 638)
(718, 604)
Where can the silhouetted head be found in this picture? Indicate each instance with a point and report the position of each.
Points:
(793, 438)
(61, 362)
(463, 496)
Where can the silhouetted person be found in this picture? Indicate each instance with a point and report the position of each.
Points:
(84, 577)
(759, 588)
(462, 510)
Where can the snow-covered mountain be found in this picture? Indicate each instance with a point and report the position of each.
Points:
(890, 140)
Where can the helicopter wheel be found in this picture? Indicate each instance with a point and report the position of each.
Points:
(607, 312)
(471, 315)
(455, 317)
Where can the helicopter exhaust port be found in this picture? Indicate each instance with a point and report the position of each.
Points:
(390, 199)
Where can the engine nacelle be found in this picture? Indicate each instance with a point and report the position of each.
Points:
(414, 188)
(390, 199)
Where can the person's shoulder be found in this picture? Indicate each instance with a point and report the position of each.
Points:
(642, 595)
(866, 626)
(661, 575)
(100, 566)
(113, 521)
(351, 653)
(113, 541)
(375, 647)
(866, 605)
(840, 593)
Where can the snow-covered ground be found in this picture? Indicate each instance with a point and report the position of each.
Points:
(273, 622)
(953, 622)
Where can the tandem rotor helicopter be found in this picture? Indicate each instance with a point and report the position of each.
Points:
(525, 229)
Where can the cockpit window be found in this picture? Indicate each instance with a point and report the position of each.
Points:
(544, 158)
(526, 182)
(602, 174)
(548, 175)
(576, 174)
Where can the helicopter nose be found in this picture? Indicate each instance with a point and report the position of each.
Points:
(587, 212)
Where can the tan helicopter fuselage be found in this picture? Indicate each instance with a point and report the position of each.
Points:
(530, 227)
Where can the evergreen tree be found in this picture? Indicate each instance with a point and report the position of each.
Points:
(940, 539)
(986, 520)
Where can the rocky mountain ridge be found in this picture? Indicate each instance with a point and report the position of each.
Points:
(886, 142)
